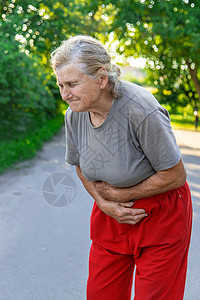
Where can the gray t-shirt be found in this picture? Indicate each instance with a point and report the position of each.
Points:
(134, 142)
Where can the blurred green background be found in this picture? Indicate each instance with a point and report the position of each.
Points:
(157, 44)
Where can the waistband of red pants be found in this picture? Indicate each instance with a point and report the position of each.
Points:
(152, 199)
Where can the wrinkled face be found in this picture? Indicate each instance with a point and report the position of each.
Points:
(79, 90)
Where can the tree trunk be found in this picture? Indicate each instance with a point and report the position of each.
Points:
(193, 73)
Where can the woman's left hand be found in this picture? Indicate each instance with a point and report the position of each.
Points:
(107, 191)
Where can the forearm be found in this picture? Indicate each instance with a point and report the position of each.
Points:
(156, 184)
(121, 212)
(90, 188)
(150, 187)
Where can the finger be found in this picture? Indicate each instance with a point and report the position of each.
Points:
(98, 188)
(137, 218)
(137, 211)
(131, 220)
(132, 211)
(127, 204)
(96, 184)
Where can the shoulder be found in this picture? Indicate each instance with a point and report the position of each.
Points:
(138, 103)
(72, 118)
(69, 114)
(138, 96)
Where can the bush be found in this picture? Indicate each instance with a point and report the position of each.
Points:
(25, 147)
(27, 107)
(23, 94)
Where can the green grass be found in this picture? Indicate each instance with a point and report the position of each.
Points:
(25, 144)
(184, 123)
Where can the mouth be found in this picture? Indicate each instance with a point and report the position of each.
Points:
(72, 101)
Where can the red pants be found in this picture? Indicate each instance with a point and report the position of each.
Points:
(158, 247)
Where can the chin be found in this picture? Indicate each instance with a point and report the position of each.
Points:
(75, 109)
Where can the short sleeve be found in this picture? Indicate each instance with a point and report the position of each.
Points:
(157, 140)
(71, 155)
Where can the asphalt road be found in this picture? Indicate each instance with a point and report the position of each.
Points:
(44, 227)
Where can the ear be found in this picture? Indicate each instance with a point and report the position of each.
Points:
(102, 75)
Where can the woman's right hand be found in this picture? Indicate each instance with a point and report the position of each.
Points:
(121, 212)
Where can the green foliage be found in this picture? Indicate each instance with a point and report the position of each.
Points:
(165, 32)
(25, 146)
(42, 25)
(23, 94)
(174, 86)
(21, 79)
(29, 31)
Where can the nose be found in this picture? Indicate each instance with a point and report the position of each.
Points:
(66, 93)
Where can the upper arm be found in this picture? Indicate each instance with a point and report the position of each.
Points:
(157, 141)
(176, 174)
(71, 155)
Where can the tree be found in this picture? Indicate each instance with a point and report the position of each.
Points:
(174, 86)
(22, 92)
(41, 25)
(165, 32)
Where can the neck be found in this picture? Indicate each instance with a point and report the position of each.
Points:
(98, 116)
(103, 108)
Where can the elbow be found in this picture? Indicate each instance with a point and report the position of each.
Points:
(78, 171)
(179, 174)
(173, 178)
(181, 178)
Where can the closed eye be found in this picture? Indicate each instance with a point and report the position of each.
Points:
(72, 84)
(69, 84)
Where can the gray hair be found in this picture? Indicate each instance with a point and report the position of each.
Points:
(91, 54)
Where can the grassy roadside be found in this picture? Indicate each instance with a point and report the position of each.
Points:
(187, 123)
(26, 145)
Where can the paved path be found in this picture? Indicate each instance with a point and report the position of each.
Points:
(189, 143)
(44, 249)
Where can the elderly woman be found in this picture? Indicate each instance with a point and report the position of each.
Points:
(120, 140)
